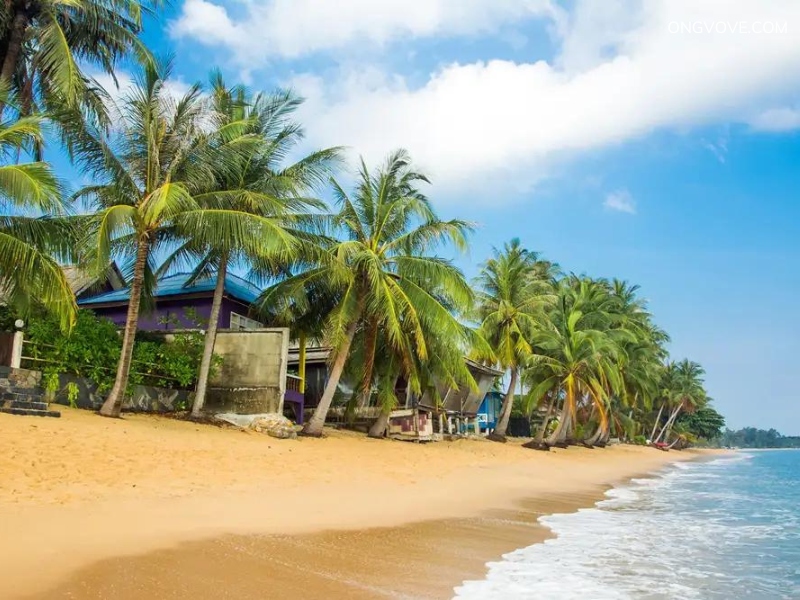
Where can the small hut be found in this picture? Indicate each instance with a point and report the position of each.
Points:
(459, 408)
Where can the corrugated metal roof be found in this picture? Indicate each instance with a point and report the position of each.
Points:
(176, 285)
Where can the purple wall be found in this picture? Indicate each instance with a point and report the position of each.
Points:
(174, 309)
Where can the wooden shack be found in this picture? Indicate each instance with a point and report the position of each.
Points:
(411, 424)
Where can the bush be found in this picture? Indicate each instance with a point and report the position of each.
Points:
(93, 348)
(640, 440)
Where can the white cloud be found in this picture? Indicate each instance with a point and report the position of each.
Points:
(256, 29)
(620, 201)
(777, 120)
(621, 72)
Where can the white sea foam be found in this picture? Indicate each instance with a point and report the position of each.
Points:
(696, 531)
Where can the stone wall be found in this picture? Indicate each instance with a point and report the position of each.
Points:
(24, 379)
(252, 378)
(143, 398)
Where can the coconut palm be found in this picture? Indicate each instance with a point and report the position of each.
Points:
(440, 367)
(44, 46)
(31, 242)
(256, 193)
(577, 354)
(639, 358)
(513, 289)
(150, 169)
(683, 391)
(381, 265)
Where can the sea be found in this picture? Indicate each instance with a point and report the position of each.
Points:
(728, 528)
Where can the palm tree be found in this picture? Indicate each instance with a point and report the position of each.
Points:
(32, 244)
(261, 199)
(45, 44)
(381, 266)
(513, 287)
(640, 356)
(440, 366)
(150, 168)
(683, 392)
(577, 352)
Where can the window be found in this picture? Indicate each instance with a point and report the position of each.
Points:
(242, 323)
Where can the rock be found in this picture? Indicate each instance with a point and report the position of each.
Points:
(276, 426)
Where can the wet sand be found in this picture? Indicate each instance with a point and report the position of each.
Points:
(149, 507)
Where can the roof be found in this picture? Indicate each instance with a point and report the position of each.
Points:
(178, 285)
(81, 281)
(483, 368)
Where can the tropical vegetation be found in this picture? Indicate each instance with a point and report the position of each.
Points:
(751, 437)
(217, 179)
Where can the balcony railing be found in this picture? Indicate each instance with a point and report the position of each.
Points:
(293, 383)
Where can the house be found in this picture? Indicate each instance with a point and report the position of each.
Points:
(457, 409)
(489, 411)
(181, 304)
(252, 378)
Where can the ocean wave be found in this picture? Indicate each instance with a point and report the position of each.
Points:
(717, 529)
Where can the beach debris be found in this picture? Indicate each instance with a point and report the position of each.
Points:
(276, 426)
(273, 424)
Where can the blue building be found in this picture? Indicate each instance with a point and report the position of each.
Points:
(489, 411)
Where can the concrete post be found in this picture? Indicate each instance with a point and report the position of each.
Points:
(16, 350)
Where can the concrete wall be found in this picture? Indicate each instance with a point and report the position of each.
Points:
(252, 378)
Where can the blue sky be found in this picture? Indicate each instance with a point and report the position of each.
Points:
(656, 141)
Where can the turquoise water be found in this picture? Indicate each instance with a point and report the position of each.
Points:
(727, 529)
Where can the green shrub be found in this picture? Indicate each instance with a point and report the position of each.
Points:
(93, 348)
(640, 440)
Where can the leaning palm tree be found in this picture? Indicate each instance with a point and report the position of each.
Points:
(381, 265)
(440, 366)
(33, 236)
(683, 392)
(577, 354)
(45, 45)
(257, 194)
(513, 290)
(150, 168)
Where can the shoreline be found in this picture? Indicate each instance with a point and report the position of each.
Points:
(85, 500)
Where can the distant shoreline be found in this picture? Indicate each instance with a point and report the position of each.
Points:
(179, 507)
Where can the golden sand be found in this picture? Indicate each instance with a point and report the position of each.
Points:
(148, 507)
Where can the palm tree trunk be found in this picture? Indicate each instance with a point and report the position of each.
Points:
(499, 433)
(668, 424)
(546, 421)
(362, 396)
(596, 436)
(112, 407)
(316, 423)
(211, 337)
(15, 38)
(658, 418)
(560, 434)
(370, 343)
(671, 424)
(378, 429)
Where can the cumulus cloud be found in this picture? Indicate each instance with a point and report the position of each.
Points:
(620, 201)
(622, 69)
(292, 28)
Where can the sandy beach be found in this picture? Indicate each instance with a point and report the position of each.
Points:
(152, 507)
